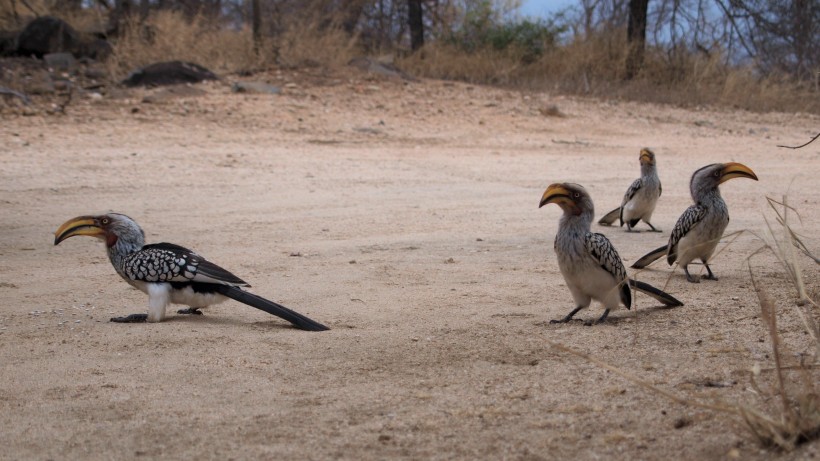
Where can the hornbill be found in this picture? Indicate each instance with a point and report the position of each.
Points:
(700, 227)
(640, 199)
(589, 263)
(169, 273)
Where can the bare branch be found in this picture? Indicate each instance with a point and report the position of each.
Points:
(802, 145)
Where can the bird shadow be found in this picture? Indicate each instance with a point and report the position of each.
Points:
(219, 320)
(613, 319)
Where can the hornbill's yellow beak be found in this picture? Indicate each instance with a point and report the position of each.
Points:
(81, 225)
(558, 194)
(736, 170)
(647, 157)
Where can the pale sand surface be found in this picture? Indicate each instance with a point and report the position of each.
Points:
(404, 216)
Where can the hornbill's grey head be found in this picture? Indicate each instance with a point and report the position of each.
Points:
(111, 228)
(647, 157)
(711, 176)
(572, 198)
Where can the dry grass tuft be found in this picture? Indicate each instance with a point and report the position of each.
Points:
(595, 66)
(797, 419)
(168, 35)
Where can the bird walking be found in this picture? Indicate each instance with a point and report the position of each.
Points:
(640, 199)
(169, 273)
(589, 263)
(699, 229)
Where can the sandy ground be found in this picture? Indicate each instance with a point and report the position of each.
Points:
(404, 216)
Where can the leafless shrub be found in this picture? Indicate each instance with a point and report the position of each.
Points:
(168, 35)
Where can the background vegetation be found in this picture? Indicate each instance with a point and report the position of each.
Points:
(751, 54)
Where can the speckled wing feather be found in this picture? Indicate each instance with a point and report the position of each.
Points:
(633, 189)
(602, 251)
(605, 254)
(166, 262)
(693, 215)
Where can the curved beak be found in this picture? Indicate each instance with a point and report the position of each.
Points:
(81, 225)
(736, 170)
(647, 157)
(556, 193)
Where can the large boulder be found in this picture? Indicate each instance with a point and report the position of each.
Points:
(46, 35)
(169, 73)
(8, 42)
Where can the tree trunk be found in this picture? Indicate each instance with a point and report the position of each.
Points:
(636, 36)
(119, 16)
(145, 6)
(256, 25)
(415, 20)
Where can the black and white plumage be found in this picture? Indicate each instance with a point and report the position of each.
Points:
(589, 263)
(640, 199)
(700, 228)
(169, 273)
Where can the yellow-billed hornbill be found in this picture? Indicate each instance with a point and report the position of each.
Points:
(641, 198)
(700, 227)
(589, 263)
(169, 273)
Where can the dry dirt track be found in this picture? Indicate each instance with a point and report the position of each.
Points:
(405, 217)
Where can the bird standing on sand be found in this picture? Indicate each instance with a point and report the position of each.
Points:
(589, 263)
(700, 227)
(640, 199)
(169, 273)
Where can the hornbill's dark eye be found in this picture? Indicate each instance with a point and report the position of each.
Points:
(577, 195)
(105, 221)
(717, 173)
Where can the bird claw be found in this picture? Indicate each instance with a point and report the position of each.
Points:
(190, 310)
(133, 318)
(709, 277)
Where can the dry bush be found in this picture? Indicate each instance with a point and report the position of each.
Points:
(308, 43)
(447, 62)
(595, 66)
(14, 15)
(168, 35)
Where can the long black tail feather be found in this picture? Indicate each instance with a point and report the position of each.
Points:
(297, 319)
(650, 257)
(667, 299)
(611, 217)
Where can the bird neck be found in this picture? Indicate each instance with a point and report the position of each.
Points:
(121, 249)
(576, 223)
(707, 196)
(648, 170)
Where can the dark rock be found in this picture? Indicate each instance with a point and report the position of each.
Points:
(96, 72)
(375, 67)
(8, 42)
(169, 73)
(60, 61)
(45, 35)
(255, 87)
